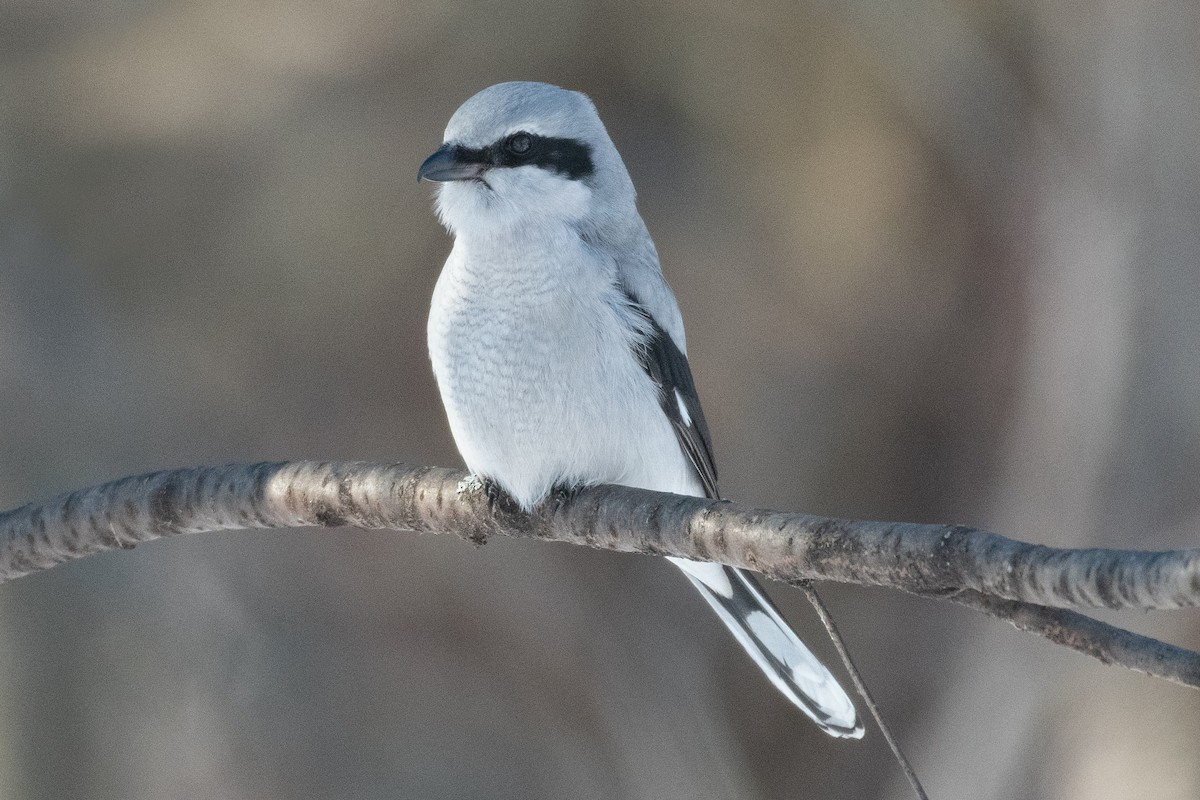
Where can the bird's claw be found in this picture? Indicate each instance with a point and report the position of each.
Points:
(488, 487)
(563, 493)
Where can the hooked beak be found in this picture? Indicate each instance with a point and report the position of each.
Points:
(444, 166)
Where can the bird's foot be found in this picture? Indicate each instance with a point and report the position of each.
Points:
(563, 493)
(495, 495)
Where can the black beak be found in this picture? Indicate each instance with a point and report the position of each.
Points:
(444, 166)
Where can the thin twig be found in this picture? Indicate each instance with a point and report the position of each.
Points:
(859, 684)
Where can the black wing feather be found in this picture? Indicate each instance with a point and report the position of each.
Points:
(668, 367)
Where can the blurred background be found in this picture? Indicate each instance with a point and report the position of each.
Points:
(938, 260)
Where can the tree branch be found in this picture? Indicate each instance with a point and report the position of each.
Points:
(1106, 643)
(1028, 585)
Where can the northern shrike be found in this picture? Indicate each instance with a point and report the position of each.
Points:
(559, 349)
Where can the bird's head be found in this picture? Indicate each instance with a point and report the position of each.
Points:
(527, 153)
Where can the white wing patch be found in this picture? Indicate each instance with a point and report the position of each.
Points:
(683, 412)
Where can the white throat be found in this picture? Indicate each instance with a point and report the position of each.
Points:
(528, 198)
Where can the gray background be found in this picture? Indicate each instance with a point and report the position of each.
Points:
(938, 263)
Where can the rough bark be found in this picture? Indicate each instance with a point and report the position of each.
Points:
(1026, 584)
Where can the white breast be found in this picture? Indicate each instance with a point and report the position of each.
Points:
(537, 373)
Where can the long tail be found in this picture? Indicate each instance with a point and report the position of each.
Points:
(755, 622)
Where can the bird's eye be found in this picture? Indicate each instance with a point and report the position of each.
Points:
(518, 144)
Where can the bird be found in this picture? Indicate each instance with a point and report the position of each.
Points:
(558, 347)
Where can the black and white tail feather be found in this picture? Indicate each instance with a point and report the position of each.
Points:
(733, 593)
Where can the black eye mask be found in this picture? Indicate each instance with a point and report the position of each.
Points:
(569, 157)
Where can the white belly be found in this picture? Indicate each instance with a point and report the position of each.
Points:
(540, 384)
